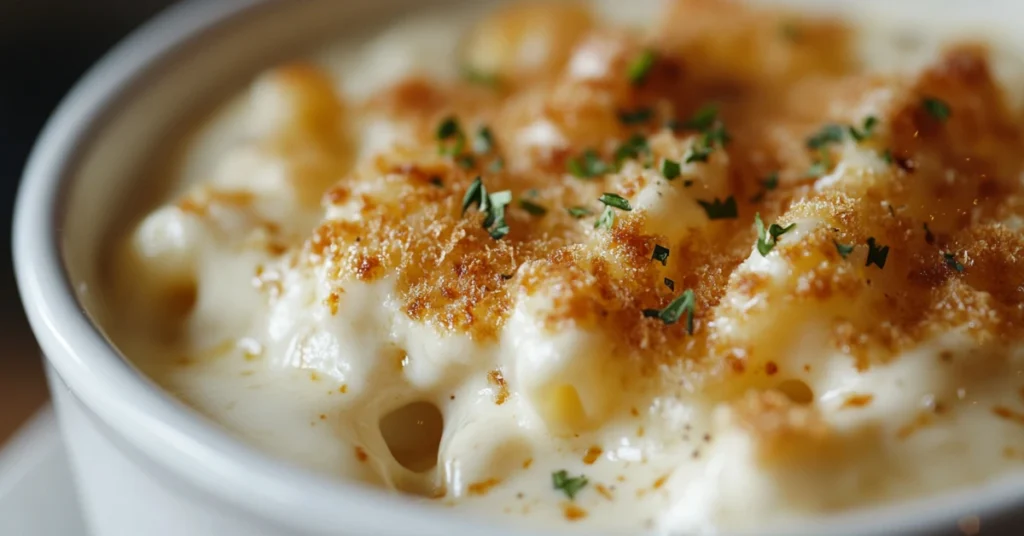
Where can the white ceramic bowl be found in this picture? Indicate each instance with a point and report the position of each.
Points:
(146, 464)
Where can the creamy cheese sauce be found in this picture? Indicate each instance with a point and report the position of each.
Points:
(358, 389)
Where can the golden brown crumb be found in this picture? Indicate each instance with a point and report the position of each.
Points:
(361, 454)
(483, 487)
(858, 400)
(496, 379)
(573, 512)
(592, 454)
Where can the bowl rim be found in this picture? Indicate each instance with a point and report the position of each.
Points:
(196, 450)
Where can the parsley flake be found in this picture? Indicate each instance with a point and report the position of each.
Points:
(615, 200)
(588, 165)
(450, 131)
(491, 205)
(770, 183)
(766, 242)
(496, 165)
(720, 210)
(660, 254)
(703, 119)
(670, 284)
(684, 303)
(870, 122)
(877, 255)
(483, 142)
(670, 169)
(606, 220)
(635, 146)
(952, 262)
(568, 485)
(936, 108)
(886, 156)
(579, 212)
(532, 208)
(638, 116)
(843, 250)
(640, 67)
(828, 135)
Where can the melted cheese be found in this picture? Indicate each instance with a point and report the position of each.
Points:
(318, 286)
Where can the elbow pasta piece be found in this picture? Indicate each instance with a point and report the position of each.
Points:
(569, 377)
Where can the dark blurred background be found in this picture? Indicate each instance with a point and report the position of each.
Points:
(45, 45)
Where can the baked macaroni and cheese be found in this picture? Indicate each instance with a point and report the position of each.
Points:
(730, 267)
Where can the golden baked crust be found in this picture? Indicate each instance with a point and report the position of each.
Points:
(940, 203)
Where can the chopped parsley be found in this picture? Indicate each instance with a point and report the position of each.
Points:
(720, 210)
(877, 254)
(684, 303)
(450, 137)
(615, 200)
(496, 165)
(843, 250)
(640, 67)
(483, 142)
(886, 156)
(491, 205)
(820, 166)
(532, 208)
(952, 262)
(633, 147)
(829, 134)
(579, 212)
(766, 242)
(670, 169)
(611, 201)
(715, 135)
(588, 165)
(465, 161)
(929, 238)
(568, 485)
(703, 119)
(606, 220)
(670, 284)
(638, 116)
(660, 254)
(870, 122)
(936, 108)
(769, 183)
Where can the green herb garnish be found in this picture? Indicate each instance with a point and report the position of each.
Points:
(660, 254)
(633, 147)
(579, 212)
(670, 284)
(843, 250)
(767, 241)
(685, 303)
(450, 137)
(606, 220)
(870, 122)
(568, 485)
(770, 183)
(491, 205)
(670, 169)
(828, 135)
(483, 142)
(532, 208)
(877, 255)
(479, 77)
(703, 119)
(638, 116)
(588, 165)
(886, 156)
(720, 210)
(952, 262)
(496, 165)
(640, 67)
(615, 200)
(936, 108)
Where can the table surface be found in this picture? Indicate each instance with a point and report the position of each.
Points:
(22, 385)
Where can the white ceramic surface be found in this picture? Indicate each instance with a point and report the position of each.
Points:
(37, 495)
(147, 465)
